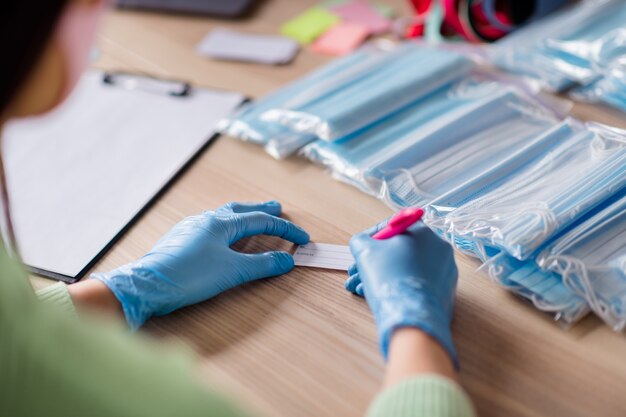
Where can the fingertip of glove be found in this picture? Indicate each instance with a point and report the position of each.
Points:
(359, 290)
(303, 237)
(283, 262)
(292, 232)
(357, 241)
(351, 283)
(273, 207)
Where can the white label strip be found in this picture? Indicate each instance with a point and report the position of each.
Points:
(324, 255)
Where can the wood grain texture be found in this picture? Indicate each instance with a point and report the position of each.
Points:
(300, 345)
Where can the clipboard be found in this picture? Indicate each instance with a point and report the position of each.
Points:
(81, 176)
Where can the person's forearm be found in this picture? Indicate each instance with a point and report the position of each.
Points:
(92, 295)
(413, 352)
(420, 380)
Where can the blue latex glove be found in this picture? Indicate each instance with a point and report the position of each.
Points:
(408, 281)
(194, 262)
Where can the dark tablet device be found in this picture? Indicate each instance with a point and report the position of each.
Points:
(223, 8)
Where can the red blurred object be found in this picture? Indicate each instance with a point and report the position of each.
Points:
(462, 17)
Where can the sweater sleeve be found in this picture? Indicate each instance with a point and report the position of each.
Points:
(58, 296)
(54, 365)
(422, 396)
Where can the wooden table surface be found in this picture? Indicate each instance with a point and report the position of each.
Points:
(300, 345)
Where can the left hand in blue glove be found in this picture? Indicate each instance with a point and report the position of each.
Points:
(194, 262)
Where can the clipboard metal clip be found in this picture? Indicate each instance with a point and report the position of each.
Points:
(136, 82)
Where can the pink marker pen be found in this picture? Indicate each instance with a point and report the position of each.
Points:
(399, 223)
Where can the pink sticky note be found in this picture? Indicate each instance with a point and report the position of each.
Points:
(363, 13)
(341, 39)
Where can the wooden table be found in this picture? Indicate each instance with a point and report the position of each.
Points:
(300, 345)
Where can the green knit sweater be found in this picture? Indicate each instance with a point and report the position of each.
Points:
(53, 365)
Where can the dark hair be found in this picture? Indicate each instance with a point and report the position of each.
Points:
(25, 29)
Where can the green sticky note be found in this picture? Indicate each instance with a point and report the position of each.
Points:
(306, 27)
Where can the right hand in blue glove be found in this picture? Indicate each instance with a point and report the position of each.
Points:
(194, 261)
(408, 281)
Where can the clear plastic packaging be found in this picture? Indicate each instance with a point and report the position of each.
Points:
(444, 153)
(352, 101)
(280, 141)
(544, 289)
(583, 268)
(350, 157)
(610, 89)
(536, 193)
(569, 47)
(591, 258)
(436, 144)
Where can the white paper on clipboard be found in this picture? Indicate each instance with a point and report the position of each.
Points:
(78, 176)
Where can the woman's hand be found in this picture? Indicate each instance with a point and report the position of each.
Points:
(408, 281)
(194, 261)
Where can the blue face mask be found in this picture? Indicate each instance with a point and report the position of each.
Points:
(438, 210)
(357, 100)
(349, 157)
(591, 258)
(280, 141)
(536, 193)
(544, 288)
(610, 89)
(435, 144)
(568, 47)
(458, 145)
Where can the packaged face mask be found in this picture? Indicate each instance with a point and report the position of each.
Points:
(350, 157)
(567, 47)
(345, 104)
(544, 289)
(435, 144)
(591, 259)
(280, 141)
(610, 89)
(447, 151)
(536, 193)
(438, 210)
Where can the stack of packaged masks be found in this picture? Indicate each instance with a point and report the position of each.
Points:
(436, 144)
(345, 96)
(584, 267)
(525, 215)
(581, 49)
(537, 197)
